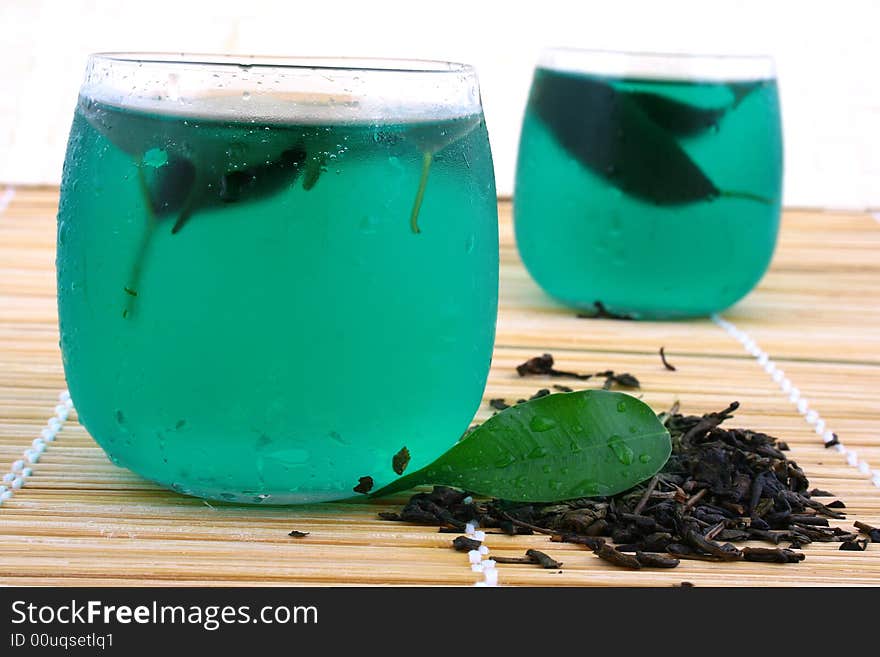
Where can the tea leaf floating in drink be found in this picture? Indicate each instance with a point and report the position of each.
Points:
(556, 447)
(741, 90)
(431, 143)
(427, 159)
(175, 186)
(314, 168)
(678, 118)
(684, 119)
(629, 138)
(167, 180)
(180, 177)
(608, 132)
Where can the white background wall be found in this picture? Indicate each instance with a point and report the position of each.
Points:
(826, 52)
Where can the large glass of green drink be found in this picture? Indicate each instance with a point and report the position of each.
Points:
(274, 275)
(649, 185)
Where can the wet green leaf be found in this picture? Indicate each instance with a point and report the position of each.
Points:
(557, 447)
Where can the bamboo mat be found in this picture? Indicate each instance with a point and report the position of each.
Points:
(78, 519)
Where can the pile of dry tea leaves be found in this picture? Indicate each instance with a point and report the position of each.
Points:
(719, 487)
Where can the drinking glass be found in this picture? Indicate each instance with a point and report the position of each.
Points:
(649, 185)
(276, 274)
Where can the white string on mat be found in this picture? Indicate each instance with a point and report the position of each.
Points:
(479, 562)
(21, 469)
(6, 198)
(811, 415)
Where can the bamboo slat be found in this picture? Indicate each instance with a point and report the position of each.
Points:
(80, 520)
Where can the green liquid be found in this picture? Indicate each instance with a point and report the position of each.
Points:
(658, 199)
(290, 331)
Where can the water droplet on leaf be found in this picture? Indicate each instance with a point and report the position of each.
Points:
(541, 423)
(538, 453)
(621, 450)
(505, 461)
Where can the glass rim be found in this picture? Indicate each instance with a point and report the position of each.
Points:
(294, 62)
(281, 89)
(692, 66)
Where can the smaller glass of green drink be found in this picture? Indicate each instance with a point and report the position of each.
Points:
(277, 278)
(649, 185)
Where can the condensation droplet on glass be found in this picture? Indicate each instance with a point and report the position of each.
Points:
(369, 225)
(155, 157)
(173, 90)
